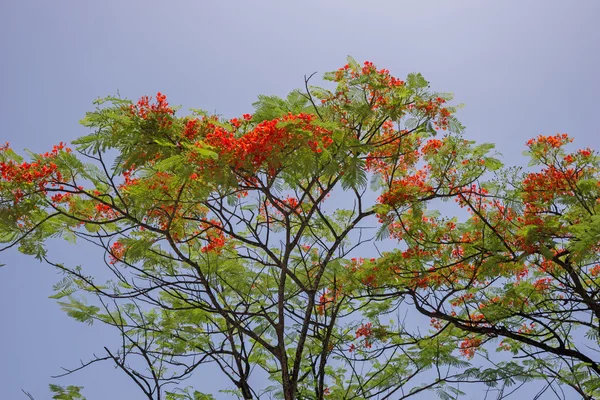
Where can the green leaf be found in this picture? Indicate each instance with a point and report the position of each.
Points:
(354, 175)
(493, 164)
(354, 66)
(416, 81)
(66, 393)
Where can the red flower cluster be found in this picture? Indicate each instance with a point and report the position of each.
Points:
(60, 197)
(556, 141)
(366, 331)
(117, 252)
(406, 189)
(191, 128)
(159, 110)
(544, 186)
(104, 211)
(542, 284)
(431, 146)
(291, 202)
(29, 173)
(38, 173)
(468, 347)
(268, 140)
(130, 180)
(433, 109)
(214, 236)
(326, 299)
(368, 68)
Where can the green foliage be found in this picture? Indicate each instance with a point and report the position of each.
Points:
(66, 393)
(247, 245)
(271, 107)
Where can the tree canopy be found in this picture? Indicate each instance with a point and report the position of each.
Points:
(344, 242)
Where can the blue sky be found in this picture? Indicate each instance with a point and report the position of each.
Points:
(521, 67)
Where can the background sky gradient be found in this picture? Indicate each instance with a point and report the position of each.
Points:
(521, 67)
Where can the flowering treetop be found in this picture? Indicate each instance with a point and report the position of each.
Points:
(247, 243)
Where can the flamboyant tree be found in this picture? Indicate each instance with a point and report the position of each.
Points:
(249, 244)
(522, 271)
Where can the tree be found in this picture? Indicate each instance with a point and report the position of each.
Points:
(249, 243)
(525, 265)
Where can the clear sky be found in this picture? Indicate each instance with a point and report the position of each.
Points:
(521, 67)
